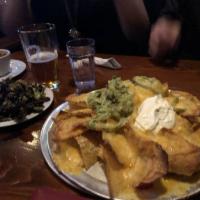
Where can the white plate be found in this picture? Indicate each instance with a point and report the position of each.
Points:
(47, 104)
(89, 182)
(16, 68)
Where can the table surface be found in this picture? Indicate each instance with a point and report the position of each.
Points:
(22, 167)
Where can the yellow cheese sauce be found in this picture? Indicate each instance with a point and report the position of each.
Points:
(68, 158)
(170, 185)
(167, 187)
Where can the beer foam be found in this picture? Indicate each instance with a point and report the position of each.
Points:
(43, 57)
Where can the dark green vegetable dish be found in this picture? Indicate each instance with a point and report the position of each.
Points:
(20, 98)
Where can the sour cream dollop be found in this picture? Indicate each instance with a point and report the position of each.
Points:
(154, 114)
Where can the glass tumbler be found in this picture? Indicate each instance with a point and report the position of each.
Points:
(81, 53)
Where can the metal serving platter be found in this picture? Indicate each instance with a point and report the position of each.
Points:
(90, 182)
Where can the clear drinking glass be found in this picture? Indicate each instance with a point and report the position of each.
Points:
(40, 46)
(81, 53)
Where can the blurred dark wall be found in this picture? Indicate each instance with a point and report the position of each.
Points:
(190, 43)
(97, 19)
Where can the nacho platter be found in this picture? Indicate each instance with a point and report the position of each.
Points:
(95, 182)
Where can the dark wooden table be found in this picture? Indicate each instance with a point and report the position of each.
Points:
(22, 167)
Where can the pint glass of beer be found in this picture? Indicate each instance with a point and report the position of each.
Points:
(40, 46)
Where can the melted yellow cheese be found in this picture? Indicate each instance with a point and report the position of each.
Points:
(68, 158)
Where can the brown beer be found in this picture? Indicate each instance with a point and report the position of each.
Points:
(44, 67)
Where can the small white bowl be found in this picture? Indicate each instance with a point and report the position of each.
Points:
(4, 62)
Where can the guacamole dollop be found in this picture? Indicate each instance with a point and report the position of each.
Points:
(111, 103)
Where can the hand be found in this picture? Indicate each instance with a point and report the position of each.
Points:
(164, 37)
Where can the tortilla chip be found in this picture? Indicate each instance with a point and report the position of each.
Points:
(69, 127)
(78, 100)
(89, 148)
(117, 176)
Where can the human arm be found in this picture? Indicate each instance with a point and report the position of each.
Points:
(133, 18)
(164, 37)
(166, 32)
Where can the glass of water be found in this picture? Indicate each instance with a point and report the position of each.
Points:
(40, 46)
(81, 53)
